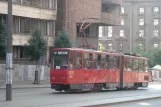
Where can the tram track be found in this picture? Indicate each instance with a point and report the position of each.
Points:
(48, 98)
(83, 101)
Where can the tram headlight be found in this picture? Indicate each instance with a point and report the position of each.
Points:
(53, 78)
(63, 78)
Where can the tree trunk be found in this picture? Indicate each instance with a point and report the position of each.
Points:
(40, 68)
(36, 78)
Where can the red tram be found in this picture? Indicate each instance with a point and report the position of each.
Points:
(82, 69)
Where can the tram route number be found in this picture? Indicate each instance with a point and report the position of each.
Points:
(60, 52)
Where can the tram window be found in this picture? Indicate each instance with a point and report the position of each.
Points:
(60, 59)
(87, 61)
(125, 64)
(110, 62)
(146, 66)
(118, 62)
(136, 65)
(97, 61)
(141, 65)
(113, 62)
(130, 65)
(107, 62)
(78, 60)
(104, 66)
(71, 61)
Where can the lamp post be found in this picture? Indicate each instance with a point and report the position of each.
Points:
(9, 54)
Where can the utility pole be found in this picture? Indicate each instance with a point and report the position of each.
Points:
(9, 54)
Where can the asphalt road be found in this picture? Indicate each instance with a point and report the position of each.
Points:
(147, 103)
(44, 97)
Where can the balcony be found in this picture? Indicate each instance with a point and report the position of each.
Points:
(118, 2)
(109, 19)
(28, 11)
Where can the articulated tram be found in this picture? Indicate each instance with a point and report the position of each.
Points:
(75, 69)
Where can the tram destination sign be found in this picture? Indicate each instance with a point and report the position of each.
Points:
(60, 52)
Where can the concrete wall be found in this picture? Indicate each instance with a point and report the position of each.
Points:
(156, 74)
(30, 12)
(20, 39)
(24, 72)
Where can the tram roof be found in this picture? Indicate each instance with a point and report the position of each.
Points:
(86, 50)
(103, 52)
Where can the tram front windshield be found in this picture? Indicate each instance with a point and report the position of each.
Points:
(60, 59)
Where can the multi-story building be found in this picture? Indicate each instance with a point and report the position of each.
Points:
(71, 14)
(140, 26)
(28, 15)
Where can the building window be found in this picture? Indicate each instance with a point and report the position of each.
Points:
(23, 25)
(122, 10)
(156, 33)
(18, 52)
(120, 46)
(122, 22)
(141, 10)
(141, 22)
(47, 4)
(141, 46)
(141, 33)
(110, 31)
(110, 46)
(156, 10)
(156, 45)
(100, 31)
(86, 31)
(156, 21)
(122, 33)
(3, 18)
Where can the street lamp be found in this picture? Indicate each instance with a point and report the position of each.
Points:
(9, 54)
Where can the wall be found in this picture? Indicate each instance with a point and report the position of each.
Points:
(156, 74)
(31, 12)
(24, 72)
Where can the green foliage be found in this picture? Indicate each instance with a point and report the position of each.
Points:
(153, 54)
(101, 47)
(37, 46)
(3, 39)
(62, 40)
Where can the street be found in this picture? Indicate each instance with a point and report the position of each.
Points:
(45, 97)
(147, 103)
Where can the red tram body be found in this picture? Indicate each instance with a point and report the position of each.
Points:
(82, 69)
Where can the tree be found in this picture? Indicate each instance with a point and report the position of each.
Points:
(62, 40)
(37, 47)
(156, 59)
(153, 54)
(3, 39)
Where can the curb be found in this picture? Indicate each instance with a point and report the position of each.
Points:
(121, 102)
(30, 87)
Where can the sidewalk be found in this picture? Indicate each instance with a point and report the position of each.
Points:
(155, 82)
(114, 101)
(27, 84)
(43, 84)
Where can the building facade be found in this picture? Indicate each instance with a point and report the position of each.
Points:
(139, 27)
(71, 14)
(28, 15)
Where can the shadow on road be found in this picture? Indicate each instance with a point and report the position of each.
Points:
(102, 91)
